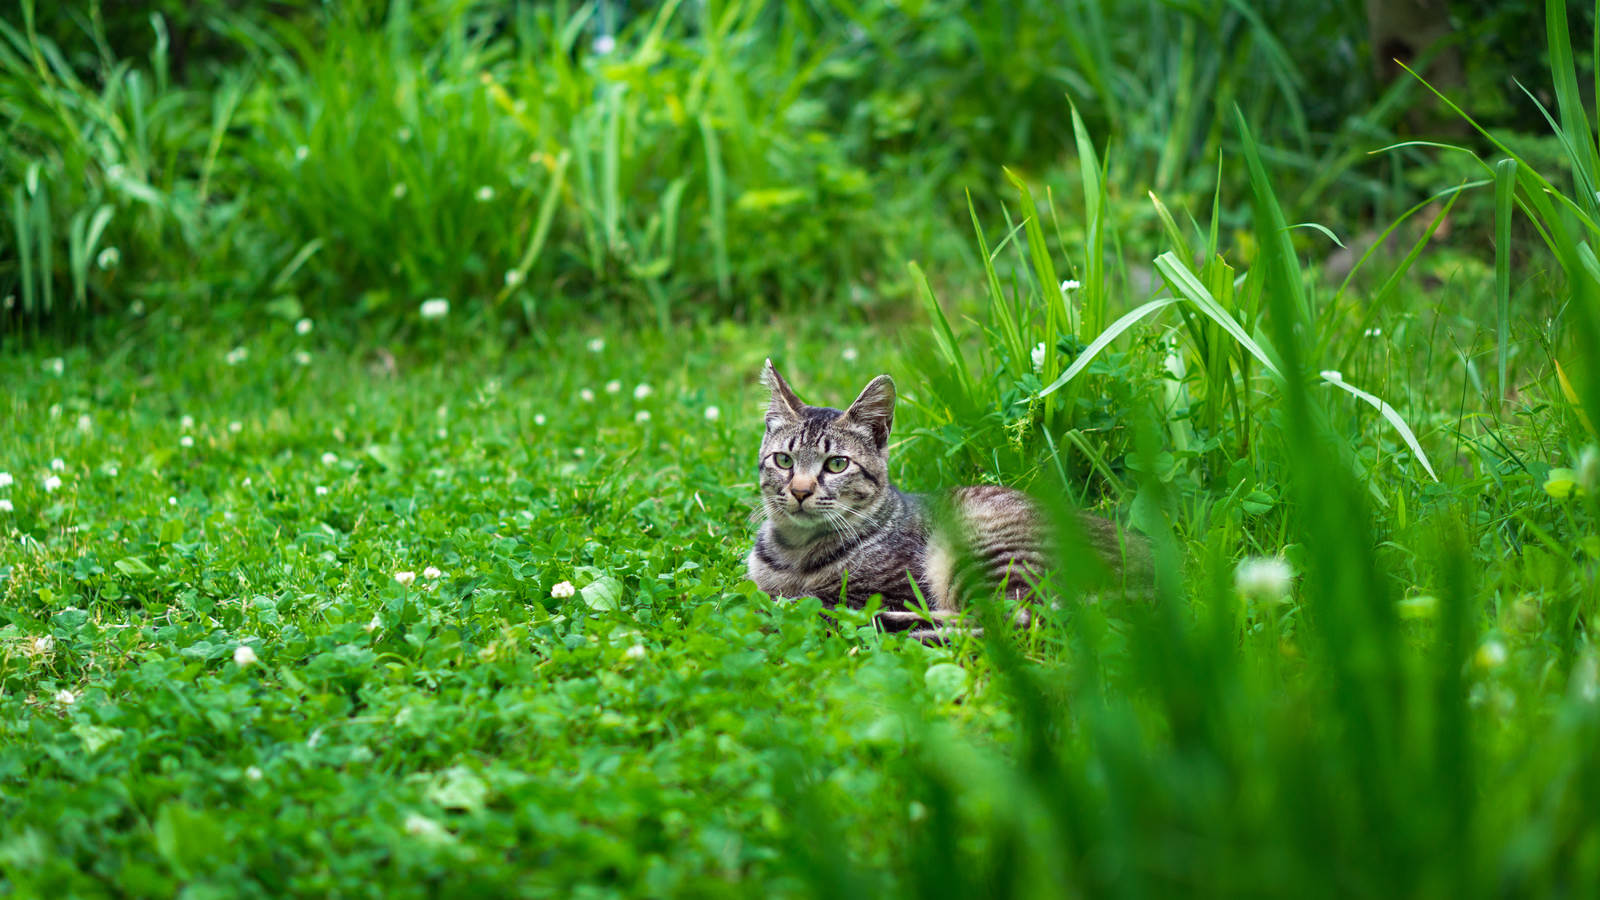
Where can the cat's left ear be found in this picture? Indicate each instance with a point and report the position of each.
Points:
(785, 406)
(875, 409)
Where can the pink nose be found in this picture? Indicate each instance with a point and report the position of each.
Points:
(800, 494)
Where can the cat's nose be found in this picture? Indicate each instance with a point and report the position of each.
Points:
(800, 494)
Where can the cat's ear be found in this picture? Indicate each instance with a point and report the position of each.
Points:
(785, 406)
(875, 409)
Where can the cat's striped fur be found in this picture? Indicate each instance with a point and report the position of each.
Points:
(836, 528)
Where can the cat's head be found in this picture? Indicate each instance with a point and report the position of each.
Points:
(822, 467)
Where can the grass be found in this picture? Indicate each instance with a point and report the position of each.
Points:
(305, 592)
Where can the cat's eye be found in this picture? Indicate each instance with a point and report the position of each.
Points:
(836, 463)
(783, 460)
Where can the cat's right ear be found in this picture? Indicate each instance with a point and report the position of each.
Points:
(785, 406)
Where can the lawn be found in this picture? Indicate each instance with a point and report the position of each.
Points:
(376, 476)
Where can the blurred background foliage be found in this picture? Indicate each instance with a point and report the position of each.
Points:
(232, 159)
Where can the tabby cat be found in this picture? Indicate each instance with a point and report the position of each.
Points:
(836, 528)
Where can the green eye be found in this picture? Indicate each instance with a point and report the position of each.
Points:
(782, 460)
(836, 463)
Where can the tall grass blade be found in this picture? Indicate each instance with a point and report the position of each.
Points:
(1505, 185)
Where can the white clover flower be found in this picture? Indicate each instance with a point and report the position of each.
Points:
(51, 483)
(304, 326)
(1038, 356)
(442, 433)
(435, 308)
(1263, 578)
(586, 395)
(563, 590)
(301, 152)
(1491, 655)
(65, 697)
(112, 471)
(538, 419)
(643, 391)
(597, 344)
(172, 501)
(55, 365)
(402, 134)
(405, 578)
(713, 414)
(85, 424)
(1069, 285)
(244, 656)
(237, 355)
(186, 441)
(431, 572)
(107, 259)
(513, 277)
(302, 358)
(1331, 375)
(637, 651)
(57, 465)
(253, 773)
(44, 644)
(235, 427)
(330, 459)
(186, 423)
(578, 452)
(5, 506)
(850, 354)
(321, 490)
(604, 44)
(6, 480)
(398, 191)
(613, 386)
(375, 624)
(642, 416)
(55, 410)
(485, 194)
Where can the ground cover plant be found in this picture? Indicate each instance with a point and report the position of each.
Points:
(367, 534)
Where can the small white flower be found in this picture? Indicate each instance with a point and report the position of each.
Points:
(55, 365)
(613, 386)
(604, 44)
(301, 152)
(302, 358)
(51, 483)
(65, 697)
(538, 419)
(85, 424)
(713, 414)
(375, 624)
(321, 490)
(435, 308)
(643, 391)
(1069, 285)
(642, 416)
(6, 480)
(186, 423)
(398, 191)
(253, 773)
(850, 354)
(243, 656)
(1263, 578)
(1331, 375)
(1491, 655)
(235, 427)
(5, 506)
(172, 501)
(136, 308)
(637, 651)
(107, 259)
(485, 194)
(597, 344)
(402, 134)
(112, 471)
(57, 465)
(442, 433)
(237, 355)
(44, 644)
(578, 452)
(405, 578)
(55, 410)
(563, 590)
(1038, 357)
(330, 459)
(186, 441)
(586, 395)
(426, 828)
(303, 326)
(513, 277)
(431, 572)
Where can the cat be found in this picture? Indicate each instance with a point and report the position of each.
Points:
(837, 529)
